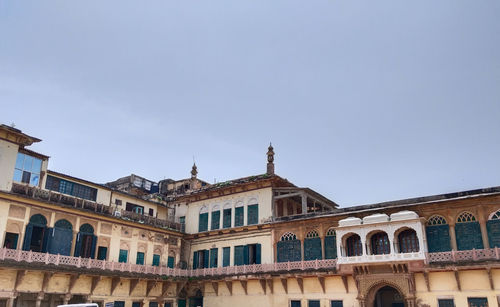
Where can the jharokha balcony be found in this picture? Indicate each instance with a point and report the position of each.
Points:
(27, 258)
(87, 205)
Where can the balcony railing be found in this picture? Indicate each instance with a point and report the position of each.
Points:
(87, 205)
(86, 263)
(382, 258)
(465, 256)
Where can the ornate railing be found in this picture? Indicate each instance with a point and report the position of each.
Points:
(467, 255)
(86, 263)
(80, 203)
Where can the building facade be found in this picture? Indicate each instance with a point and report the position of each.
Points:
(253, 241)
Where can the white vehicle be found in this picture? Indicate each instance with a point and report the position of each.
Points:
(80, 305)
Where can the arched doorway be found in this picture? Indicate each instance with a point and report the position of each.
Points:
(386, 296)
(36, 234)
(85, 242)
(61, 238)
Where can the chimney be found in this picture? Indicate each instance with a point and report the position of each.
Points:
(270, 160)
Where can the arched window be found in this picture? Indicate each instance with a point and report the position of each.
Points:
(353, 246)
(288, 248)
(330, 244)
(468, 232)
(312, 246)
(85, 242)
(38, 219)
(438, 234)
(215, 217)
(203, 219)
(60, 238)
(87, 228)
(380, 244)
(493, 227)
(408, 241)
(36, 235)
(63, 224)
(226, 216)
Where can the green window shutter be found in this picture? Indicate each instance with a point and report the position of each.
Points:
(170, 262)
(156, 260)
(195, 260)
(438, 238)
(238, 255)
(140, 258)
(493, 227)
(122, 257)
(330, 247)
(312, 249)
(119, 304)
(468, 236)
(226, 252)
(102, 251)
(203, 222)
(226, 218)
(258, 251)
(181, 303)
(213, 257)
(289, 251)
(245, 255)
(206, 258)
(238, 216)
(253, 214)
(215, 220)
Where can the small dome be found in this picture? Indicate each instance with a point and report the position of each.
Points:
(376, 218)
(350, 221)
(404, 215)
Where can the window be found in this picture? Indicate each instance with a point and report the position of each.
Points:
(226, 218)
(134, 208)
(102, 252)
(215, 218)
(380, 244)
(408, 241)
(140, 258)
(213, 257)
(288, 248)
(312, 246)
(201, 259)
(238, 216)
(27, 169)
(122, 257)
(10, 240)
(253, 214)
(477, 301)
(353, 246)
(330, 244)
(71, 188)
(153, 304)
(203, 219)
(313, 303)
(182, 219)
(118, 202)
(468, 232)
(446, 303)
(437, 232)
(226, 252)
(247, 254)
(151, 212)
(295, 303)
(156, 260)
(336, 304)
(170, 262)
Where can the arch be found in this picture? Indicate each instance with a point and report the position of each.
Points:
(407, 240)
(87, 228)
(468, 232)
(385, 286)
(252, 201)
(239, 203)
(330, 244)
(63, 224)
(203, 209)
(438, 234)
(288, 248)
(379, 243)
(493, 229)
(38, 219)
(312, 246)
(353, 246)
(466, 217)
(288, 236)
(215, 207)
(227, 206)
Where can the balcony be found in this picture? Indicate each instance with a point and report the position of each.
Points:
(21, 256)
(91, 206)
(382, 258)
(465, 256)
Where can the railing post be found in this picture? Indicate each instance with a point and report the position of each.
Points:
(3, 253)
(474, 254)
(288, 265)
(316, 264)
(58, 258)
(30, 254)
(79, 263)
(46, 258)
(104, 264)
(453, 256)
(496, 252)
(18, 255)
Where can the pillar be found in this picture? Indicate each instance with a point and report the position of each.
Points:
(10, 301)
(484, 233)
(453, 237)
(304, 203)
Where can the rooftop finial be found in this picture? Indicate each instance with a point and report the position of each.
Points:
(270, 159)
(194, 171)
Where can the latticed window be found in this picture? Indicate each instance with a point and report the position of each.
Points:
(288, 236)
(436, 220)
(312, 234)
(330, 244)
(380, 244)
(408, 241)
(330, 232)
(466, 217)
(354, 246)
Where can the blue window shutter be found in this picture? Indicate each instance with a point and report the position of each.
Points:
(203, 222)
(312, 248)
(206, 258)
(78, 245)
(245, 254)
(477, 301)
(45, 242)
(226, 218)
(215, 220)
(195, 260)
(330, 247)
(213, 257)
(238, 255)
(153, 304)
(252, 214)
(27, 237)
(136, 304)
(446, 303)
(468, 236)
(313, 303)
(119, 304)
(239, 216)
(295, 304)
(122, 257)
(94, 244)
(336, 304)
(226, 252)
(493, 227)
(258, 251)
(101, 253)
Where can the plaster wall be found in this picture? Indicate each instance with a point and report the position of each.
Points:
(8, 156)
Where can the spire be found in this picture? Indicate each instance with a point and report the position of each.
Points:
(194, 171)
(270, 160)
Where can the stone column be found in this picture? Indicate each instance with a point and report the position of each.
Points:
(39, 299)
(10, 301)
(453, 237)
(484, 233)
(66, 298)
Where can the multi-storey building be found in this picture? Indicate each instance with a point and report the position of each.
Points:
(253, 241)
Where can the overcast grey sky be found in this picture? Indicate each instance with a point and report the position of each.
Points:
(364, 101)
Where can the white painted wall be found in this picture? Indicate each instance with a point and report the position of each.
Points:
(8, 156)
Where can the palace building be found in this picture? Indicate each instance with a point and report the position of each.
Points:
(253, 241)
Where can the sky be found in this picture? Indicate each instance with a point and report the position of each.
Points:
(364, 101)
